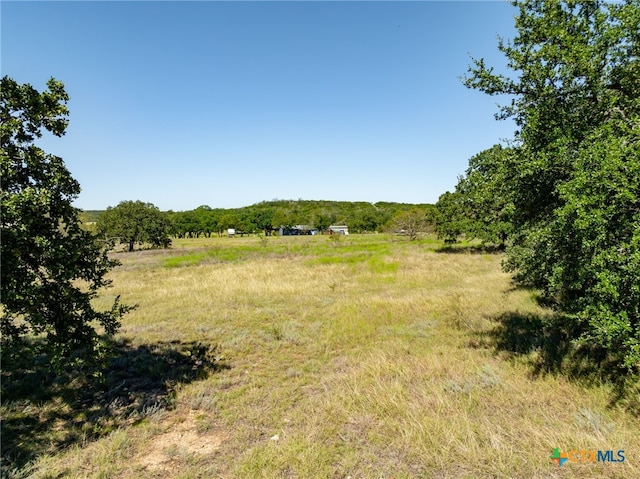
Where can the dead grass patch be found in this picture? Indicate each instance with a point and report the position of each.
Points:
(181, 441)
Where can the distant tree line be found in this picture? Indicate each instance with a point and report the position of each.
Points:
(133, 222)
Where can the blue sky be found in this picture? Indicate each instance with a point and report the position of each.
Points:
(228, 104)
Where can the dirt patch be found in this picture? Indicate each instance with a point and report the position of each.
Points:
(181, 442)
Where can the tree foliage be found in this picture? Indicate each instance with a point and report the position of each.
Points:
(450, 218)
(411, 223)
(481, 206)
(574, 175)
(269, 216)
(134, 222)
(51, 267)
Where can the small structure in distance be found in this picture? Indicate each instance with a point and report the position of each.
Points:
(339, 230)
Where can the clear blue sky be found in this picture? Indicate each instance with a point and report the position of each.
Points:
(227, 104)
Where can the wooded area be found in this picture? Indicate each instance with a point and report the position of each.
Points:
(268, 217)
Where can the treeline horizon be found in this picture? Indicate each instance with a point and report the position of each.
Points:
(268, 216)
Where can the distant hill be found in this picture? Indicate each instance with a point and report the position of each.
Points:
(90, 216)
(360, 216)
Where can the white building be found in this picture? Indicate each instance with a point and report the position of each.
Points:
(339, 229)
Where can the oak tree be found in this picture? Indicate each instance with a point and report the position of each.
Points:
(481, 205)
(132, 222)
(52, 268)
(575, 168)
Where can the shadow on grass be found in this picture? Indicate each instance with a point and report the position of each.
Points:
(44, 411)
(549, 343)
(456, 248)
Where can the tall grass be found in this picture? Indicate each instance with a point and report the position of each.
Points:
(368, 357)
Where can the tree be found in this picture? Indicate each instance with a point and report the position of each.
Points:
(365, 219)
(450, 218)
(576, 182)
(321, 221)
(411, 223)
(229, 219)
(264, 220)
(187, 223)
(52, 268)
(488, 199)
(134, 222)
(211, 222)
(481, 205)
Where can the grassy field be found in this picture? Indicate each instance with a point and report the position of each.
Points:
(315, 357)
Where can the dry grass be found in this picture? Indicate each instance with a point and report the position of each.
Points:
(368, 358)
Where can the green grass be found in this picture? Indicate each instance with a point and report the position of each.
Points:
(368, 356)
